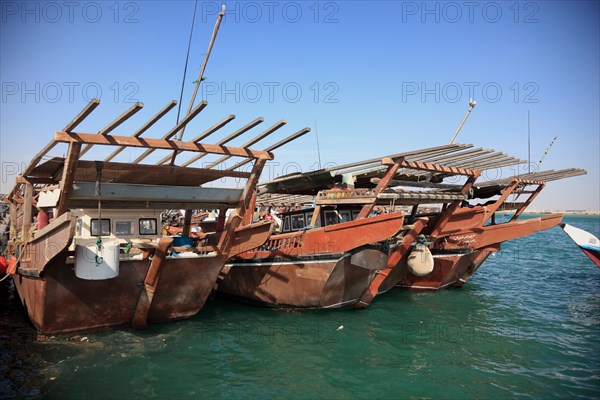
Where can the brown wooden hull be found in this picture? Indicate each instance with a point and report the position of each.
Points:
(61, 303)
(325, 283)
(318, 268)
(449, 271)
(57, 301)
(454, 270)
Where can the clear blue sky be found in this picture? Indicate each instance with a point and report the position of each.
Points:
(376, 77)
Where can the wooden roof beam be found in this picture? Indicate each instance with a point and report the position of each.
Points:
(145, 127)
(118, 121)
(228, 138)
(205, 134)
(426, 154)
(435, 168)
(254, 140)
(543, 176)
(275, 146)
(469, 163)
(83, 114)
(175, 129)
(161, 169)
(154, 144)
(459, 156)
(364, 169)
(502, 163)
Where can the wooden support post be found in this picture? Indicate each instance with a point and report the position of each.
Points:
(250, 213)
(187, 222)
(66, 183)
(221, 219)
(383, 183)
(139, 319)
(414, 210)
(315, 216)
(505, 193)
(449, 210)
(27, 211)
(13, 221)
(528, 202)
(226, 240)
(393, 261)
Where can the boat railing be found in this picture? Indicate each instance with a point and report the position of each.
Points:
(294, 241)
(346, 196)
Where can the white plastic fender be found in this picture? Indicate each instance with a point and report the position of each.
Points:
(420, 260)
(90, 267)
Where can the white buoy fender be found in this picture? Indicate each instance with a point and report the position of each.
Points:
(420, 260)
(92, 264)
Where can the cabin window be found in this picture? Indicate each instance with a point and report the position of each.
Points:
(345, 216)
(123, 228)
(297, 222)
(286, 224)
(309, 218)
(94, 231)
(355, 214)
(331, 218)
(147, 226)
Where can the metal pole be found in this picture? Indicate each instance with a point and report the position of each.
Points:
(528, 142)
(318, 148)
(472, 104)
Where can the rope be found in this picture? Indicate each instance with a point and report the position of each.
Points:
(187, 57)
(21, 251)
(99, 260)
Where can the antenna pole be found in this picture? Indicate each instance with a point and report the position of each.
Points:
(472, 104)
(528, 142)
(318, 147)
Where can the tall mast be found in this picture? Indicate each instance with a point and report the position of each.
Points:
(201, 74)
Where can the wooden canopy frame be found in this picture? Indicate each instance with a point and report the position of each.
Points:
(135, 185)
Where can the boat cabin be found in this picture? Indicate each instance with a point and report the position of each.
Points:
(297, 220)
(124, 226)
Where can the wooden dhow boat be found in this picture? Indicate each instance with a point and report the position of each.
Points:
(445, 234)
(85, 242)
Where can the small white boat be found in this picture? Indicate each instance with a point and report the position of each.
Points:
(588, 243)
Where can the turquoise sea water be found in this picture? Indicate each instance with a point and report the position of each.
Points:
(526, 326)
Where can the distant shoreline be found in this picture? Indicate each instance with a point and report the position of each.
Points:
(566, 212)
